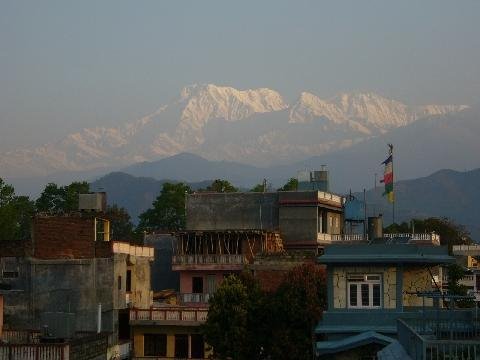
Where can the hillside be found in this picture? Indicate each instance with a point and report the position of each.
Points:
(135, 194)
(421, 148)
(445, 193)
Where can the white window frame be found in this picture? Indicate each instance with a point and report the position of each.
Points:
(364, 279)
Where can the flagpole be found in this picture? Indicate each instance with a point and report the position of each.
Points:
(393, 182)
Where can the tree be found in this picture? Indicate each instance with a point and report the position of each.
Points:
(238, 319)
(56, 200)
(245, 322)
(220, 185)
(258, 188)
(455, 274)
(15, 214)
(263, 187)
(298, 305)
(291, 185)
(450, 233)
(121, 225)
(168, 211)
(226, 325)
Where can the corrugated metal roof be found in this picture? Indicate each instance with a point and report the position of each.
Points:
(394, 351)
(352, 342)
(384, 253)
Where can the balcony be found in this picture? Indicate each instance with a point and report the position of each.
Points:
(387, 238)
(85, 345)
(187, 298)
(409, 237)
(326, 196)
(34, 351)
(331, 238)
(452, 338)
(208, 262)
(169, 315)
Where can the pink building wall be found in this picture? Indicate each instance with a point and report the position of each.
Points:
(186, 279)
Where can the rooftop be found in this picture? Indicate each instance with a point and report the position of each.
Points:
(385, 253)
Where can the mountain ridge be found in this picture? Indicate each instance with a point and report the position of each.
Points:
(184, 125)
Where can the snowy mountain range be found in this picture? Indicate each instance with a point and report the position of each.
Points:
(222, 123)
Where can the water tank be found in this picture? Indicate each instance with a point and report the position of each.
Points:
(320, 180)
(92, 202)
(313, 180)
(375, 227)
(354, 210)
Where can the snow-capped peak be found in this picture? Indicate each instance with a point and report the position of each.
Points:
(207, 102)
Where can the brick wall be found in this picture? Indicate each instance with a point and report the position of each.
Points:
(270, 271)
(15, 248)
(64, 237)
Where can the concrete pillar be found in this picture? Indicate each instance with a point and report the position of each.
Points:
(170, 345)
(189, 346)
(399, 273)
(330, 293)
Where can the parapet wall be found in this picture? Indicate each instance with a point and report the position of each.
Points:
(239, 211)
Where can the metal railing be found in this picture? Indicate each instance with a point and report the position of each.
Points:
(427, 339)
(349, 237)
(236, 259)
(431, 237)
(21, 336)
(169, 314)
(194, 298)
(411, 341)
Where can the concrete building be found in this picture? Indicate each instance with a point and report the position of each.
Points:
(304, 219)
(71, 278)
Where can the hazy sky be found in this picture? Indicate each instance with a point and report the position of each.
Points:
(66, 65)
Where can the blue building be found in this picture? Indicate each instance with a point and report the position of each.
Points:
(380, 296)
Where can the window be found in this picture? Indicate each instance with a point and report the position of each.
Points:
(128, 286)
(181, 346)
(319, 221)
(211, 283)
(198, 348)
(364, 291)
(155, 345)
(197, 285)
(10, 274)
(119, 283)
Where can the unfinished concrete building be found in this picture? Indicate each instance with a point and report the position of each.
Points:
(303, 219)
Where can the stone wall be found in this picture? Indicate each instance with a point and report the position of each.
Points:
(416, 279)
